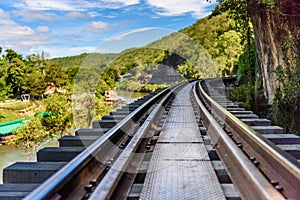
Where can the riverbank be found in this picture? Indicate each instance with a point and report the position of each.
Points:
(9, 154)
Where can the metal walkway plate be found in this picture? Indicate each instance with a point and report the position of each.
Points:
(181, 180)
(180, 132)
(180, 151)
(180, 167)
(181, 114)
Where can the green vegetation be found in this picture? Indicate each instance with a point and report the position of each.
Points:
(151, 87)
(85, 59)
(135, 61)
(219, 37)
(8, 116)
(286, 101)
(40, 128)
(208, 48)
(273, 80)
(102, 109)
(30, 135)
(61, 115)
(19, 76)
(33, 75)
(17, 105)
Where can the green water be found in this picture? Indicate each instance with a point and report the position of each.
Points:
(9, 154)
(129, 96)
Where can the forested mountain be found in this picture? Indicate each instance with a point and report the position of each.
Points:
(209, 47)
(91, 59)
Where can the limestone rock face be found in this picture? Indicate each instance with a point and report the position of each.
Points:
(277, 37)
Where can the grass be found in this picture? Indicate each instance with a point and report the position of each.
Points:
(6, 116)
(10, 112)
(18, 105)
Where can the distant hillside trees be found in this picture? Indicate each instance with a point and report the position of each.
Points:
(219, 37)
(30, 75)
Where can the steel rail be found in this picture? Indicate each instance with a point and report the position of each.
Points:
(280, 167)
(50, 188)
(106, 187)
(249, 181)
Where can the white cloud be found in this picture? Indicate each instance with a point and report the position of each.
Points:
(176, 8)
(43, 29)
(31, 16)
(71, 5)
(5, 18)
(18, 37)
(97, 27)
(54, 51)
(47, 4)
(94, 14)
(123, 35)
(83, 49)
(72, 37)
(15, 32)
(123, 2)
(75, 14)
(36, 41)
(4, 14)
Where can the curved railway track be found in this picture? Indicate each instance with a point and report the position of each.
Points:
(111, 160)
(258, 168)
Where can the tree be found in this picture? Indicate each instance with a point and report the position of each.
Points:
(60, 120)
(111, 75)
(34, 83)
(15, 78)
(230, 49)
(56, 74)
(11, 54)
(189, 71)
(30, 135)
(212, 33)
(4, 89)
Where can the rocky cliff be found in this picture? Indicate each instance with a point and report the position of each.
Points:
(277, 35)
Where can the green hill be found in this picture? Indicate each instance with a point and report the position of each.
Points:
(210, 47)
(91, 59)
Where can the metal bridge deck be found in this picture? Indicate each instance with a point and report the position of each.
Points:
(180, 167)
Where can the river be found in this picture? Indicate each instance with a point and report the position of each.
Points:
(9, 154)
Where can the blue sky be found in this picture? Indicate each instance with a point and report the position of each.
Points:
(70, 27)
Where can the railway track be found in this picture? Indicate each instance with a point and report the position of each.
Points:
(186, 141)
(262, 162)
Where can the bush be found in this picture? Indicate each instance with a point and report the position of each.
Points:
(150, 87)
(30, 135)
(61, 119)
(286, 101)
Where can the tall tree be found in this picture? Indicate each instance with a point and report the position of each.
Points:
(11, 54)
(34, 83)
(230, 45)
(16, 75)
(56, 74)
(4, 90)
